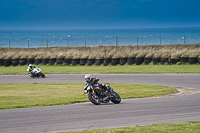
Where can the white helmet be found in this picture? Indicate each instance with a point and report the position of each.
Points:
(30, 65)
(88, 77)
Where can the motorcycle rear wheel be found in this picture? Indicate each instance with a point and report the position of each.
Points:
(116, 98)
(93, 99)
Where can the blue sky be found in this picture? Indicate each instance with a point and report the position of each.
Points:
(98, 14)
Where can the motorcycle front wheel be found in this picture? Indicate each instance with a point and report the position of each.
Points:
(42, 75)
(94, 99)
(116, 98)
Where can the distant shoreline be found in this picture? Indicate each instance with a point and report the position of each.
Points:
(82, 29)
(96, 37)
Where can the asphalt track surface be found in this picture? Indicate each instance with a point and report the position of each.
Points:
(86, 116)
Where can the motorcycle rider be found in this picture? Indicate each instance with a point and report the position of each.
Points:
(99, 93)
(30, 68)
(95, 84)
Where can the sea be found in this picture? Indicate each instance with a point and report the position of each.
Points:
(96, 37)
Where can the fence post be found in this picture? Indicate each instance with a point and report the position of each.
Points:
(28, 43)
(184, 39)
(101, 42)
(160, 40)
(67, 42)
(137, 40)
(47, 43)
(9, 43)
(116, 41)
(85, 42)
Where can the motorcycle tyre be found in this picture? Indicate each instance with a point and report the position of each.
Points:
(42, 75)
(116, 100)
(90, 97)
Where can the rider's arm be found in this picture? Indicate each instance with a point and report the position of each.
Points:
(86, 85)
(94, 81)
(85, 88)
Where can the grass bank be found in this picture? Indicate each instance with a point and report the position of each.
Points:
(126, 69)
(175, 127)
(21, 95)
(175, 51)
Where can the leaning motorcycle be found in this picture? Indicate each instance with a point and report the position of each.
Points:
(101, 93)
(36, 72)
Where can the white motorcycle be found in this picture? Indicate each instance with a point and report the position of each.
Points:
(36, 72)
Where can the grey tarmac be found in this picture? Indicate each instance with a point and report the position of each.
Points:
(86, 116)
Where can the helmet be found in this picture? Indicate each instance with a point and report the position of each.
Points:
(30, 65)
(87, 77)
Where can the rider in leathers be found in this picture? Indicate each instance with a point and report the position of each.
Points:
(95, 84)
(30, 68)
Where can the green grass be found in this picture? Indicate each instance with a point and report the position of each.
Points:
(126, 69)
(176, 127)
(20, 95)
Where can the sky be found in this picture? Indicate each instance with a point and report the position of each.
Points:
(98, 14)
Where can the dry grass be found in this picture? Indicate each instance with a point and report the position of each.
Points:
(176, 50)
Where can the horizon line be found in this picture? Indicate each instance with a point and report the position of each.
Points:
(114, 28)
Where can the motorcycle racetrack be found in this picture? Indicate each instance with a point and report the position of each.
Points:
(85, 116)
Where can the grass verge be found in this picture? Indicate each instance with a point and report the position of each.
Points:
(21, 95)
(176, 127)
(126, 69)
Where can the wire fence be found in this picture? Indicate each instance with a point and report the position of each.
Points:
(106, 41)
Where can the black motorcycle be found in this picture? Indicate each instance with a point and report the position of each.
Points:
(101, 93)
